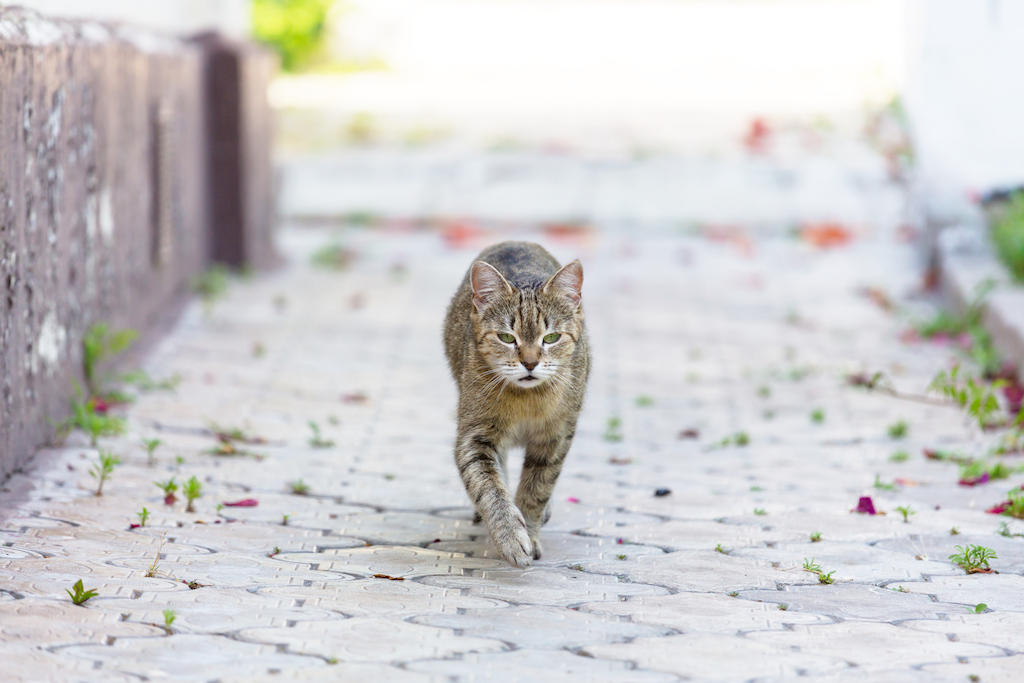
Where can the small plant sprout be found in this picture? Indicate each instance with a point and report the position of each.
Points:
(143, 516)
(906, 511)
(644, 401)
(178, 462)
(764, 391)
(102, 470)
(818, 415)
(955, 531)
(284, 520)
(898, 429)
(168, 487)
(900, 589)
(80, 595)
(783, 607)
(154, 567)
(299, 488)
(978, 609)
(1004, 530)
(816, 537)
(613, 430)
(976, 398)
(720, 549)
(734, 594)
(275, 551)
(811, 566)
(317, 441)
(169, 617)
(620, 557)
(760, 512)
(826, 579)
(151, 445)
(191, 489)
(973, 559)
(756, 489)
(899, 456)
(879, 484)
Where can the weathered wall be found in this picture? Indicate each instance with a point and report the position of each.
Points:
(105, 208)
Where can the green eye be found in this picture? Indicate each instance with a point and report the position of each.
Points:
(552, 338)
(506, 337)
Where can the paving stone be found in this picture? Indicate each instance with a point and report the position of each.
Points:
(716, 657)
(528, 666)
(368, 639)
(691, 570)
(382, 597)
(709, 613)
(48, 623)
(987, 669)
(189, 657)
(537, 627)
(875, 647)
(998, 591)
(400, 561)
(856, 602)
(1001, 629)
(544, 586)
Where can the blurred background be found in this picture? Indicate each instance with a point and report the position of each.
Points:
(164, 136)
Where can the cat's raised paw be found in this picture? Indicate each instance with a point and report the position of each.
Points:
(513, 543)
(537, 550)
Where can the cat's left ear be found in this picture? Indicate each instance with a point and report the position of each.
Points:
(568, 282)
(488, 285)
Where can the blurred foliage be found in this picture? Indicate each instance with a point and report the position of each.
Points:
(295, 28)
(1008, 234)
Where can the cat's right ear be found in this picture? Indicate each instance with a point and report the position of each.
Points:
(488, 285)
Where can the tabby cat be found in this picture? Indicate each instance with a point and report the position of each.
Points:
(517, 348)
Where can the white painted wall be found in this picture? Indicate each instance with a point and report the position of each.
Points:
(965, 92)
(230, 17)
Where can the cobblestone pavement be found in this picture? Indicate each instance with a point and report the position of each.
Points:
(377, 572)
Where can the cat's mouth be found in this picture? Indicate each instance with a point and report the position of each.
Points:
(529, 378)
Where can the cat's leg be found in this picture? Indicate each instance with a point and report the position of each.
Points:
(480, 464)
(541, 467)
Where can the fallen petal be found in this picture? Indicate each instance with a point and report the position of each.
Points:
(865, 505)
(247, 503)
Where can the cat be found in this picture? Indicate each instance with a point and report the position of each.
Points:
(517, 348)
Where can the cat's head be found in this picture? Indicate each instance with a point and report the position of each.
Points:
(526, 336)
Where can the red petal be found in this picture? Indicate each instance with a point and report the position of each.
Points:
(247, 503)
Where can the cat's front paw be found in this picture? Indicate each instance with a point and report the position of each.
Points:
(537, 549)
(513, 541)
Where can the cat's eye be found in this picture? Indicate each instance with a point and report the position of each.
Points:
(551, 338)
(506, 337)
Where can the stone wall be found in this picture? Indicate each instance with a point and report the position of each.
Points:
(104, 200)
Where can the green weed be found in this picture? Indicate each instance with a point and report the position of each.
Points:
(102, 470)
(317, 441)
(169, 617)
(191, 489)
(899, 456)
(906, 511)
(976, 398)
(973, 559)
(644, 401)
(816, 537)
(100, 343)
(1008, 235)
(879, 484)
(151, 445)
(818, 415)
(143, 516)
(613, 430)
(898, 429)
(80, 595)
(299, 488)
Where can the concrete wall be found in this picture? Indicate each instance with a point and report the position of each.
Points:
(105, 213)
(182, 17)
(964, 95)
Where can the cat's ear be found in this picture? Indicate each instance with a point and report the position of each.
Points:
(488, 285)
(568, 282)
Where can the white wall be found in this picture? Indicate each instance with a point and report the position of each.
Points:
(965, 92)
(230, 17)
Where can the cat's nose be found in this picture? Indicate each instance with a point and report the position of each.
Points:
(529, 366)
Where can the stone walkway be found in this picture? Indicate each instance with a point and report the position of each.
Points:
(378, 574)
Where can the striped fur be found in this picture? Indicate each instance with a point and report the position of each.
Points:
(520, 391)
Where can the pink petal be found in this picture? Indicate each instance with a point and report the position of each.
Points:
(865, 505)
(573, 499)
(998, 509)
(247, 503)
